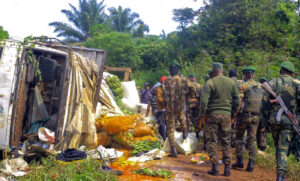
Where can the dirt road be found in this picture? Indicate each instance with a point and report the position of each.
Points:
(184, 170)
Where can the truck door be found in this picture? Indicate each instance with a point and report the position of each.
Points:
(8, 74)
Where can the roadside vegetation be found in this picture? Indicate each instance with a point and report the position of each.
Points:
(268, 161)
(52, 169)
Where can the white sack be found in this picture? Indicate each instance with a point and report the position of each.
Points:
(187, 146)
(131, 92)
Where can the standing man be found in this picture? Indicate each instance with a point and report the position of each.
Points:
(145, 93)
(175, 89)
(233, 76)
(289, 89)
(219, 100)
(193, 99)
(248, 117)
(262, 129)
(161, 114)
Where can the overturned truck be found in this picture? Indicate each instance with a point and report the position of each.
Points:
(52, 85)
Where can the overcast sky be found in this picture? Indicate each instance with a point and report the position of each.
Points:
(22, 18)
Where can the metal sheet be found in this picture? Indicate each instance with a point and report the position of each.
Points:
(8, 74)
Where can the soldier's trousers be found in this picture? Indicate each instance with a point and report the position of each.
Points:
(247, 122)
(192, 115)
(170, 120)
(295, 143)
(282, 138)
(261, 135)
(219, 127)
(161, 120)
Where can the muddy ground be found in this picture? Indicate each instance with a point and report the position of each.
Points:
(184, 170)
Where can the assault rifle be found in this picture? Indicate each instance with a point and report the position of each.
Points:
(283, 108)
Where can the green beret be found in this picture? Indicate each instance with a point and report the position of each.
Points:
(288, 66)
(248, 69)
(192, 75)
(217, 66)
(264, 78)
(175, 64)
(298, 77)
(206, 77)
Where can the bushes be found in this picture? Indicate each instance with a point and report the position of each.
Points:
(114, 84)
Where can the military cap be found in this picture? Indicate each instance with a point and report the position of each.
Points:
(288, 66)
(175, 64)
(192, 75)
(263, 78)
(216, 66)
(206, 77)
(248, 69)
(298, 77)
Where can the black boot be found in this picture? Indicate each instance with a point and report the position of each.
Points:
(184, 134)
(280, 177)
(214, 170)
(250, 166)
(239, 163)
(173, 152)
(227, 170)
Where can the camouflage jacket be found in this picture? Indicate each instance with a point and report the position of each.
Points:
(251, 95)
(289, 89)
(175, 90)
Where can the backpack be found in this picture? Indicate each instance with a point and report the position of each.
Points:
(253, 98)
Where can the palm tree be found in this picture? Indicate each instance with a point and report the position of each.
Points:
(123, 20)
(89, 13)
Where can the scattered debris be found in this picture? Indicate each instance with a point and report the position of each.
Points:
(17, 167)
(151, 155)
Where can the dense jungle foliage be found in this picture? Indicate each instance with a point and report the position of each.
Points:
(235, 32)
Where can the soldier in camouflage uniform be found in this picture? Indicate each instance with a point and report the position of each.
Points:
(175, 89)
(193, 98)
(233, 76)
(262, 129)
(248, 117)
(289, 89)
(219, 100)
(295, 143)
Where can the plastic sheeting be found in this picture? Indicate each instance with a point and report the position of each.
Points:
(187, 146)
(79, 126)
(131, 99)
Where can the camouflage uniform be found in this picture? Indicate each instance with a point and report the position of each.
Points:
(193, 99)
(263, 128)
(251, 94)
(219, 99)
(295, 143)
(289, 89)
(233, 125)
(175, 89)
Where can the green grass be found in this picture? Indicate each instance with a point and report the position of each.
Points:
(269, 162)
(51, 169)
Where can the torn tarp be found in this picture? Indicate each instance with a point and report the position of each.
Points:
(79, 125)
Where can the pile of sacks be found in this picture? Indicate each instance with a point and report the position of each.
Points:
(124, 131)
